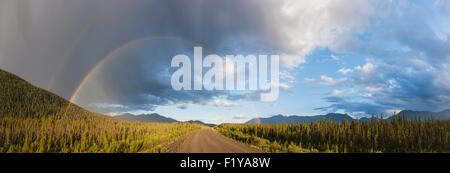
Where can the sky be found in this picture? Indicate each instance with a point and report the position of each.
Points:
(113, 56)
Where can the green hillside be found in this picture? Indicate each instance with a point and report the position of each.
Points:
(18, 98)
(33, 120)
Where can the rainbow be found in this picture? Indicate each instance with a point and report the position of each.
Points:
(110, 54)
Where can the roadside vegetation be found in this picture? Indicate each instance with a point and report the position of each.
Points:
(397, 136)
(92, 135)
(35, 120)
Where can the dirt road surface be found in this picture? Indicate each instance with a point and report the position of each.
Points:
(209, 141)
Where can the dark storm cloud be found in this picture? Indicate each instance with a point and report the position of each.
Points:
(43, 38)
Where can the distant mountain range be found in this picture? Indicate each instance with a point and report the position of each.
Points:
(199, 122)
(411, 115)
(154, 117)
(299, 119)
(146, 118)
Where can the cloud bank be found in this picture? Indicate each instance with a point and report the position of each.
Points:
(54, 44)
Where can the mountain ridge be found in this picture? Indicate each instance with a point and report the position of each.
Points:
(411, 115)
(155, 117)
(201, 122)
(298, 119)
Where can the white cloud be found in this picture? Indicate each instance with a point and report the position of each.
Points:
(291, 61)
(106, 105)
(334, 57)
(330, 81)
(283, 86)
(336, 92)
(419, 63)
(367, 68)
(372, 89)
(287, 76)
(312, 80)
(225, 103)
(241, 116)
(326, 23)
(113, 114)
(345, 70)
(326, 80)
(181, 105)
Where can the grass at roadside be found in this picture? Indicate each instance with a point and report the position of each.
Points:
(398, 136)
